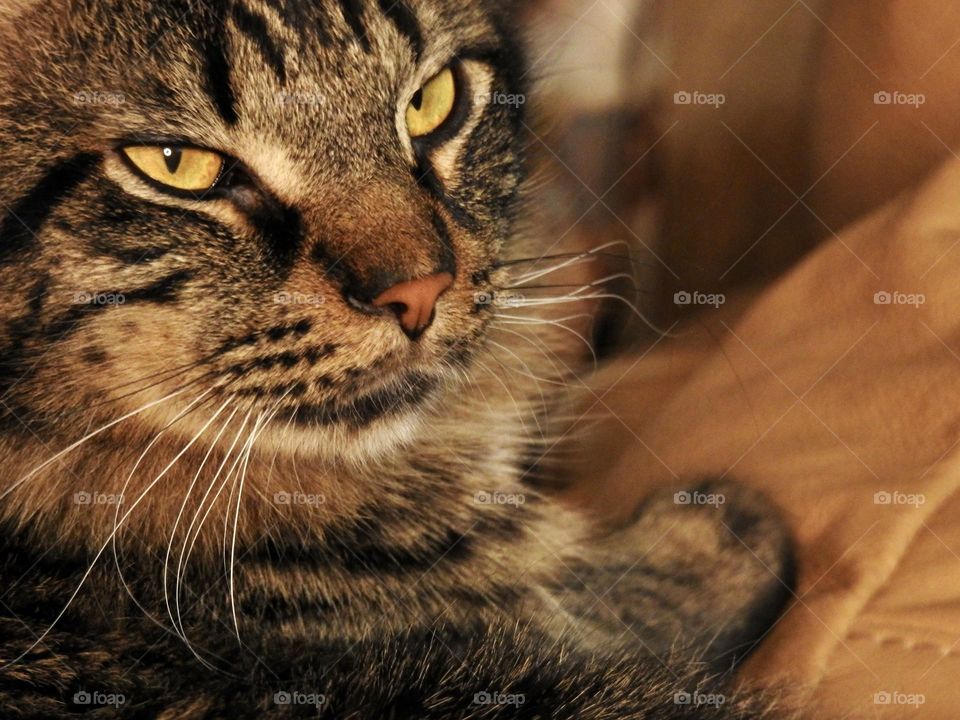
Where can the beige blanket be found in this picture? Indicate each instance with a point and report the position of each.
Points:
(838, 393)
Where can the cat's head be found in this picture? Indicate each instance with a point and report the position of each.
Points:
(283, 209)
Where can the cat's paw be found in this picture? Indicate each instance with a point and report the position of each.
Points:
(728, 545)
(705, 571)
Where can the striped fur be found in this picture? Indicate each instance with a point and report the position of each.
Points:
(224, 484)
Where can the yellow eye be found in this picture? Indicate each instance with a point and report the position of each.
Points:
(432, 104)
(181, 168)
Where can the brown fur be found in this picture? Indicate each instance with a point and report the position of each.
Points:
(287, 465)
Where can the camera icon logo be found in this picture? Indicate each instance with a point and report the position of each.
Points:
(882, 498)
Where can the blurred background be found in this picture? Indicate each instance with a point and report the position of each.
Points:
(722, 140)
(738, 149)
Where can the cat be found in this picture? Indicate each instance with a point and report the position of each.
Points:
(262, 455)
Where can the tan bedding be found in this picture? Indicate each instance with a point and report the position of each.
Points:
(825, 396)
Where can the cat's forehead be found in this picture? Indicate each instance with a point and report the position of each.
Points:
(282, 68)
(296, 40)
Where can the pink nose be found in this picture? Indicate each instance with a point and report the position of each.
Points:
(414, 301)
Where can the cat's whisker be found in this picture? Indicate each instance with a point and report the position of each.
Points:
(166, 379)
(566, 261)
(528, 374)
(570, 287)
(521, 320)
(543, 349)
(471, 381)
(166, 372)
(183, 505)
(276, 453)
(574, 262)
(520, 414)
(599, 296)
(241, 478)
(86, 438)
(185, 551)
(156, 438)
(117, 524)
(573, 294)
(510, 371)
(255, 433)
(609, 279)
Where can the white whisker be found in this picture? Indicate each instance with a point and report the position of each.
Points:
(242, 476)
(589, 255)
(254, 434)
(116, 525)
(516, 405)
(528, 374)
(521, 320)
(185, 553)
(87, 438)
(183, 505)
(89, 570)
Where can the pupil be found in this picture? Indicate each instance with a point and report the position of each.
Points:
(172, 157)
(418, 100)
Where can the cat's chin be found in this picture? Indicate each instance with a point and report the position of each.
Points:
(361, 429)
(346, 445)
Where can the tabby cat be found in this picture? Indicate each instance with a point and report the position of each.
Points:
(262, 456)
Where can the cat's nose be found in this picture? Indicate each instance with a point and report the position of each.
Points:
(414, 302)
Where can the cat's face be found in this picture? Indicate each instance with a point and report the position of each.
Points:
(206, 200)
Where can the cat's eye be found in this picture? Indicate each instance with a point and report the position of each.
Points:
(181, 168)
(432, 104)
